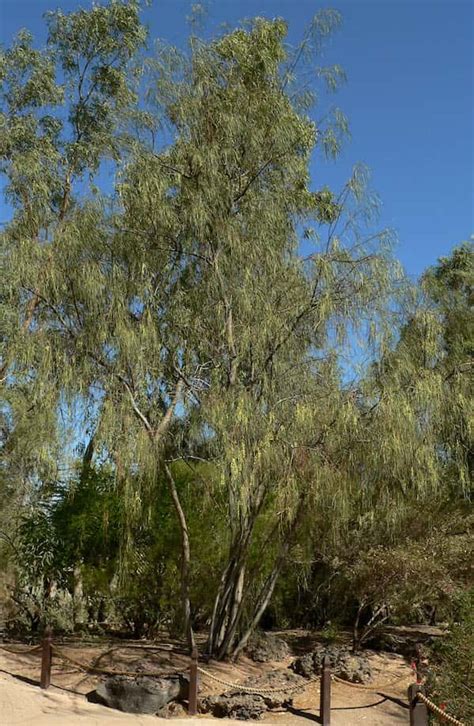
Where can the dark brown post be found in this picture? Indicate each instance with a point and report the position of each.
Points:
(325, 693)
(193, 683)
(46, 658)
(418, 710)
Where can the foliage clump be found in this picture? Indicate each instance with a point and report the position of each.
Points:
(452, 681)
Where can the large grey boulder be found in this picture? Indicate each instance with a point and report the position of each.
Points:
(139, 694)
(342, 662)
(265, 647)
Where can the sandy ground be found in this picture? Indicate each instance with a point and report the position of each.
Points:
(23, 702)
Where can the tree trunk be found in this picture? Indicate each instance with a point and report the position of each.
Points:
(261, 606)
(267, 590)
(235, 607)
(355, 630)
(215, 612)
(78, 599)
(228, 603)
(186, 559)
(374, 622)
(230, 607)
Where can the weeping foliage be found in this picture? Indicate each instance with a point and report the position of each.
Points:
(200, 311)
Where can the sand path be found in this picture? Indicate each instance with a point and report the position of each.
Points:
(22, 702)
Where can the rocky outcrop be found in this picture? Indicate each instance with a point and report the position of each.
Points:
(244, 706)
(240, 706)
(405, 640)
(139, 694)
(265, 647)
(343, 663)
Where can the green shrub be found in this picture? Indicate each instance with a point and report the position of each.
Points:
(452, 681)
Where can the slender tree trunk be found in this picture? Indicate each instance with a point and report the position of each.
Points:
(215, 611)
(355, 631)
(223, 607)
(186, 558)
(228, 603)
(261, 606)
(266, 592)
(78, 599)
(235, 607)
(231, 598)
(374, 622)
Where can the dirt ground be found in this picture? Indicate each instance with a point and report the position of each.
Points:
(22, 702)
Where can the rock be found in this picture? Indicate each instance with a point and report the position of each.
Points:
(139, 694)
(405, 639)
(173, 709)
(344, 664)
(245, 706)
(306, 666)
(353, 668)
(281, 678)
(266, 647)
(240, 706)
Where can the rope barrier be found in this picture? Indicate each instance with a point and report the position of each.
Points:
(258, 691)
(437, 710)
(229, 684)
(238, 686)
(364, 687)
(35, 649)
(295, 687)
(104, 671)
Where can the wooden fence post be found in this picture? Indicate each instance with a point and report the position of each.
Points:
(325, 693)
(418, 710)
(193, 683)
(46, 658)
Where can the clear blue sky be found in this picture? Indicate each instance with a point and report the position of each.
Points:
(409, 100)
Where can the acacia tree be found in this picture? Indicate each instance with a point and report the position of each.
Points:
(424, 384)
(257, 318)
(449, 287)
(178, 309)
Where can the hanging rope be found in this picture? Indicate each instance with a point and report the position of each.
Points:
(258, 691)
(236, 686)
(437, 710)
(104, 671)
(34, 649)
(364, 687)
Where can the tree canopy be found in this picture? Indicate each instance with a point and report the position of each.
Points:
(187, 325)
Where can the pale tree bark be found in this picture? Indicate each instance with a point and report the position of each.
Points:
(185, 560)
(229, 598)
(227, 607)
(156, 435)
(226, 637)
(78, 598)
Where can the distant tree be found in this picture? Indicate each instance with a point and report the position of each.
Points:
(407, 468)
(450, 285)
